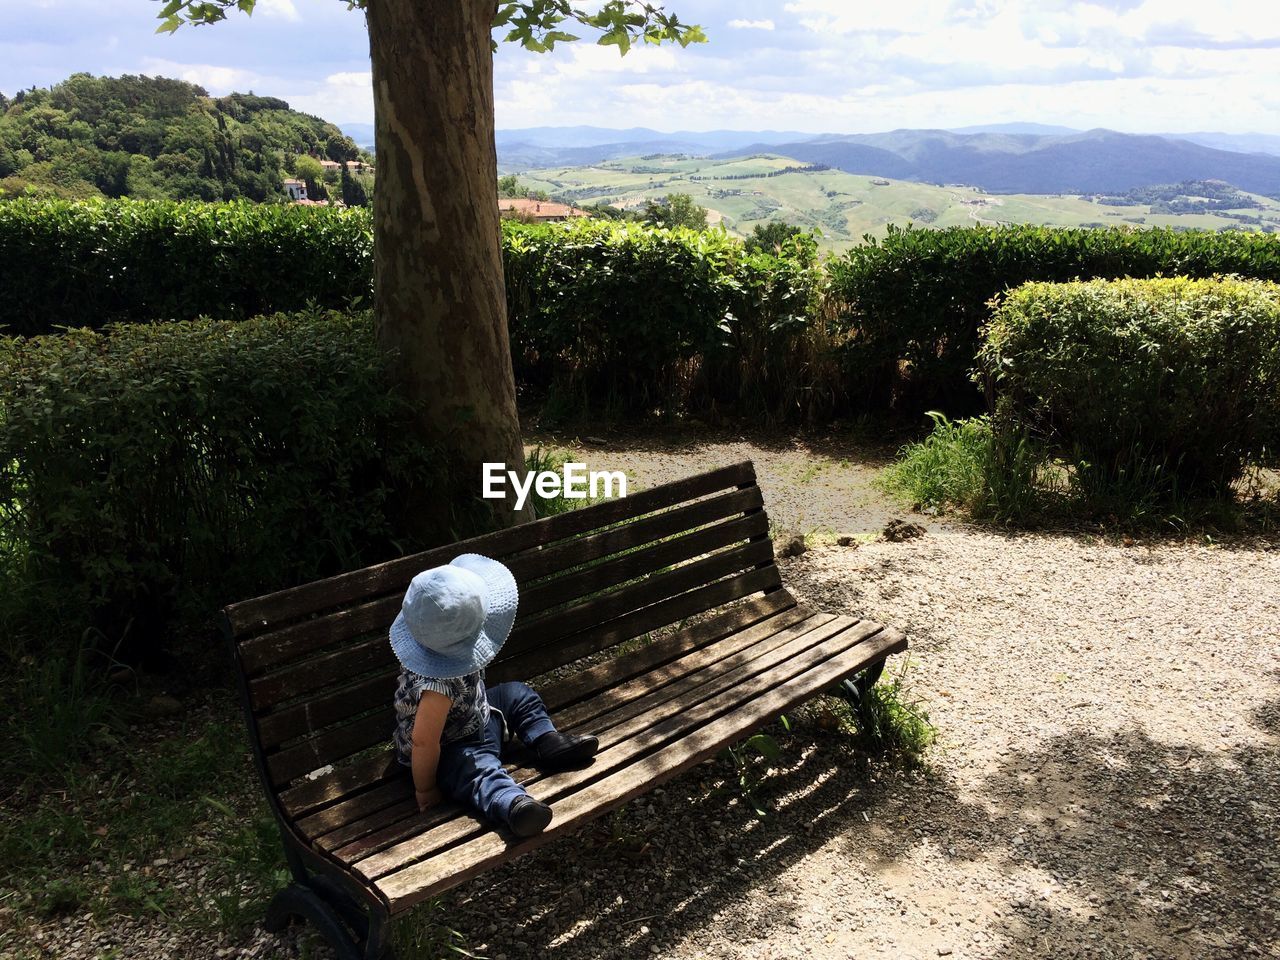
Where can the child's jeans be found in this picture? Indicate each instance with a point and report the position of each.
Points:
(470, 770)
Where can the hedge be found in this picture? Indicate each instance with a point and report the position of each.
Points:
(1142, 384)
(90, 263)
(612, 316)
(620, 314)
(916, 301)
(152, 470)
(641, 318)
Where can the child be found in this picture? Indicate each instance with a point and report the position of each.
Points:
(449, 728)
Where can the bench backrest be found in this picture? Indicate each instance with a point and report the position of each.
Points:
(318, 670)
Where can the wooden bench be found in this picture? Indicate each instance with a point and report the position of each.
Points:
(689, 560)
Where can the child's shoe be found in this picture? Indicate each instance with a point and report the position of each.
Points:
(562, 751)
(529, 817)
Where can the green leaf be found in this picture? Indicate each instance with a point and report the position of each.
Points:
(765, 745)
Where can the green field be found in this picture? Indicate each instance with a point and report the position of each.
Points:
(846, 206)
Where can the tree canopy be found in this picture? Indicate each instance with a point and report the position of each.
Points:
(772, 236)
(537, 25)
(676, 210)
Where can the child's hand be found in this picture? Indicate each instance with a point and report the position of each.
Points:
(426, 798)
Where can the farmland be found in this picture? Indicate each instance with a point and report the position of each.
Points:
(745, 191)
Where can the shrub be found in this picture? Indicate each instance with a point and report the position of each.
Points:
(609, 316)
(639, 318)
(151, 470)
(611, 311)
(778, 351)
(87, 264)
(915, 302)
(1172, 383)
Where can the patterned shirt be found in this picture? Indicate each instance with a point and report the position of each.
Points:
(468, 713)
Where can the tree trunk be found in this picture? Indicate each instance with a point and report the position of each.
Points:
(439, 298)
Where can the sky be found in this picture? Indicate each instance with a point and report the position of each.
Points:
(817, 66)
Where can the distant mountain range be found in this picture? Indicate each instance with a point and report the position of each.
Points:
(1001, 158)
(1095, 161)
(573, 146)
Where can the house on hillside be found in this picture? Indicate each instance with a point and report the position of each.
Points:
(540, 211)
(297, 189)
(355, 166)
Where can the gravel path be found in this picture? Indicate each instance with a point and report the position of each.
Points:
(1105, 782)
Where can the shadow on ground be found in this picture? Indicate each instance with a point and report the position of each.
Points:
(1091, 845)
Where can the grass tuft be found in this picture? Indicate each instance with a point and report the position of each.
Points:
(889, 723)
(61, 709)
(425, 932)
(948, 469)
(985, 469)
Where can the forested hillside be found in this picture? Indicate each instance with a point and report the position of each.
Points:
(153, 137)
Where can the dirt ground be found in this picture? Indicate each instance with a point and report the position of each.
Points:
(1104, 783)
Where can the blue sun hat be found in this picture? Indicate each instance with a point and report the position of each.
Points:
(455, 618)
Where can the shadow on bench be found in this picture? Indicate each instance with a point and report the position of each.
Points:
(318, 675)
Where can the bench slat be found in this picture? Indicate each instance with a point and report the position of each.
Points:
(612, 573)
(333, 744)
(662, 614)
(427, 879)
(313, 715)
(347, 780)
(757, 617)
(255, 616)
(773, 610)
(299, 640)
(705, 665)
(655, 688)
(543, 631)
(631, 739)
(569, 553)
(346, 663)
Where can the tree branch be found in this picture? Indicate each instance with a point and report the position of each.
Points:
(536, 25)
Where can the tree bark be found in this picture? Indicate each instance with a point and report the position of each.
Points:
(439, 297)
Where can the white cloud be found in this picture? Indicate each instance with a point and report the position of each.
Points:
(281, 9)
(341, 97)
(591, 59)
(843, 17)
(217, 80)
(818, 65)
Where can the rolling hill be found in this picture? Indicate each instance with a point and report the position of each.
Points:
(572, 146)
(1090, 162)
(153, 137)
(745, 191)
(1001, 158)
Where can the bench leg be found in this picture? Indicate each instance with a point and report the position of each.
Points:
(855, 688)
(344, 926)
